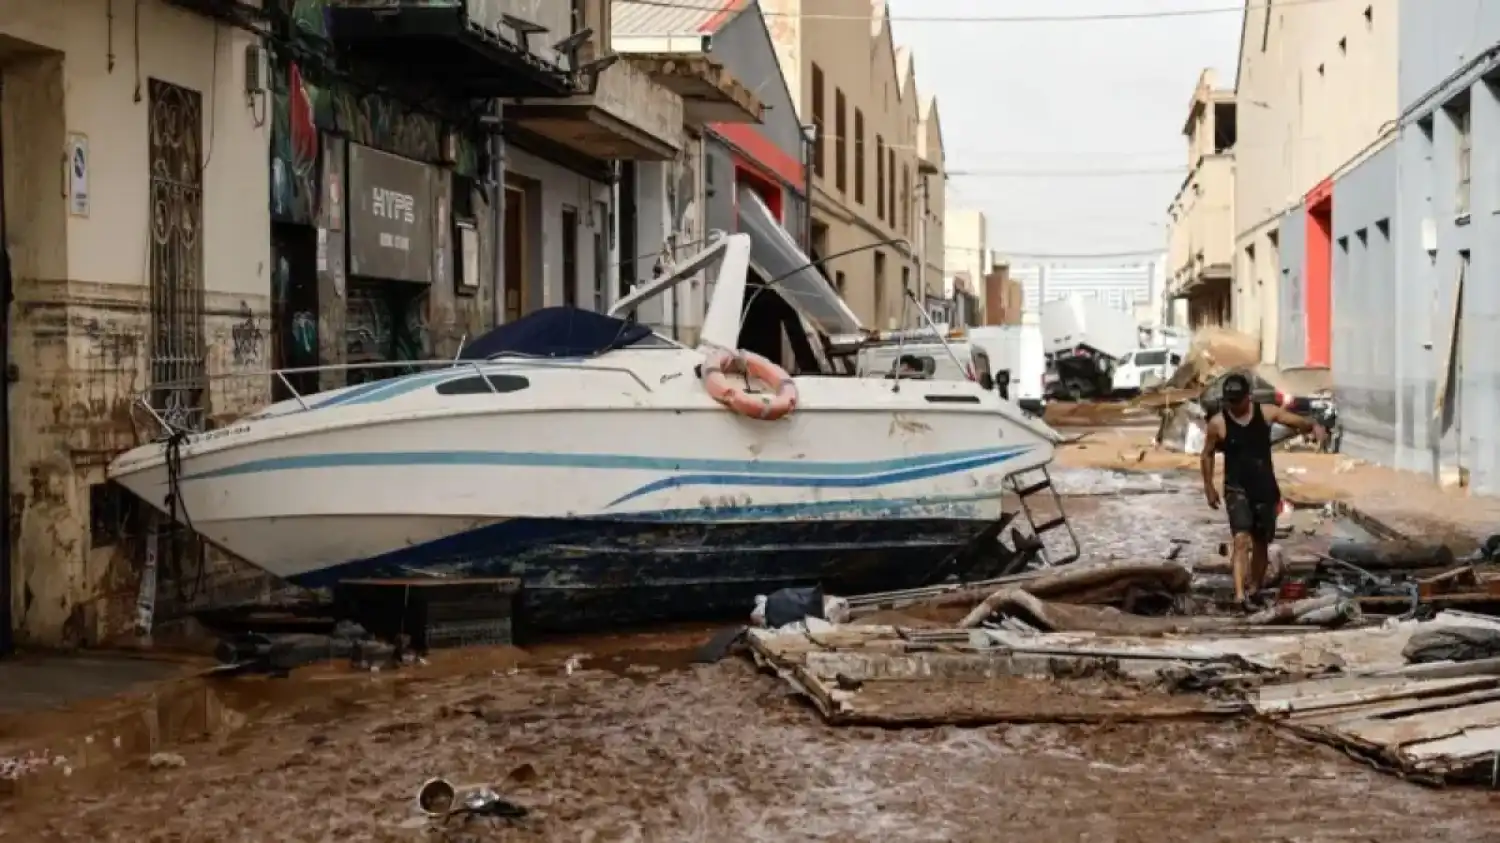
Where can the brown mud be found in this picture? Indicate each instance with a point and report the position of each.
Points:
(631, 741)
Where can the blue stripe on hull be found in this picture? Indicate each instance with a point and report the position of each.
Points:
(582, 574)
(873, 470)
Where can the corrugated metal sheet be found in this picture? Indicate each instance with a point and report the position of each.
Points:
(1292, 328)
(680, 17)
(1364, 308)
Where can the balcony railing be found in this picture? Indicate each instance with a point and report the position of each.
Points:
(476, 48)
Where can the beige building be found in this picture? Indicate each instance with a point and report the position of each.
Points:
(1200, 220)
(966, 250)
(165, 198)
(1316, 91)
(877, 156)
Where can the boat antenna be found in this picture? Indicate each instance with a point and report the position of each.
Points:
(457, 355)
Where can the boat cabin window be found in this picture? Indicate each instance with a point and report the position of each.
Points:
(915, 366)
(475, 385)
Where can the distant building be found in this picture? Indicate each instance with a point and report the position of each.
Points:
(966, 246)
(1122, 286)
(1004, 300)
(1200, 220)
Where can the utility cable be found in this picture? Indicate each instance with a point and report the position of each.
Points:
(717, 6)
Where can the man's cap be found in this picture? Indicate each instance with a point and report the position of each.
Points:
(1236, 386)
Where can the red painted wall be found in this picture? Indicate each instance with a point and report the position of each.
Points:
(748, 174)
(1318, 275)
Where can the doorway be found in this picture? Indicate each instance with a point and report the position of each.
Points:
(513, 285)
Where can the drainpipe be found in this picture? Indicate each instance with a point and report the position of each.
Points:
(809, 137)
(7, 628)
(497, 208)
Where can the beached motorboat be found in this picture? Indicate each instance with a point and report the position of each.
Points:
(582, 454)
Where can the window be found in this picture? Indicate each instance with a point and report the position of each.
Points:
(890, 185)
(465, 234)
(880, 291)
(817, 110)
(906, 200)
(838, 282)
(840, 142)
(1465, 151)
(859, 156)
(570, 256)
(879, 177)
(475, 385)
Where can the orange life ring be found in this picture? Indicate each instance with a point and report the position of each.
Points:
(754, 405)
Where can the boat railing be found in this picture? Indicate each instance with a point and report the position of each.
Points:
(167, 407)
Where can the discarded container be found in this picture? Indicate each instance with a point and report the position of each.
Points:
(437, 797)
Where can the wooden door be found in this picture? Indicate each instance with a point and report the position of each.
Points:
(513, 287)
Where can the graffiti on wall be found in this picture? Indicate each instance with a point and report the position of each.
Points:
(294, 145)
(387, 323)
(248, 342)
(306, 101)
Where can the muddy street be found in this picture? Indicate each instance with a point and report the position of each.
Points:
(625, 738)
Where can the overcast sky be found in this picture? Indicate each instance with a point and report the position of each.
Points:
(1070, 96)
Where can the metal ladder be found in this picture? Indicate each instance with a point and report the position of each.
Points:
(1024, 491)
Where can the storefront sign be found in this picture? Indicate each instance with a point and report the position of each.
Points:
(390, 216)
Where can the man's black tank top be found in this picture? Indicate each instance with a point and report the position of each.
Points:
(1247, 457)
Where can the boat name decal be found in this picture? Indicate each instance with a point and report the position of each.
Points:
(221, 433)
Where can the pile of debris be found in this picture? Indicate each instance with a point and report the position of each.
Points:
(1405, 684)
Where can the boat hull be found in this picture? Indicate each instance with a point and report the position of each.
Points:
(610, 506)
(586, 574)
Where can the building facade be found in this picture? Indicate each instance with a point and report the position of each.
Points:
(875, 156)
(1444, 399)
(150, 267)
(1200, 220)
(1316, 92)
(1121, 286)
(966, 252)
(747, 165)
(273, 207)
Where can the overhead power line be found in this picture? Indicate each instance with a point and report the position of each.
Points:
(1067, 174)
(718, 5)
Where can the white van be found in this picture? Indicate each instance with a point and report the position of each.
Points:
(1145, 368)
(1018, 350)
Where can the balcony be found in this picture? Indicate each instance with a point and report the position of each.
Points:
(709, 92)
(1201, 242)
(480, 49)
(627, 117)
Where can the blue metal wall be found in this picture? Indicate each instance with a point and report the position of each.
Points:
(1364, 307)
(1291, 309)
(1445, 51)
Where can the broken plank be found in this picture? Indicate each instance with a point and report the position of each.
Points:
(1306, 696)
(1424, 728)
(1335, 718)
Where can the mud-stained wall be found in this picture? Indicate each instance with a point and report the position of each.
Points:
(81, 337)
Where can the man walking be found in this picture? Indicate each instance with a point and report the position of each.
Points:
(1242, 430)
